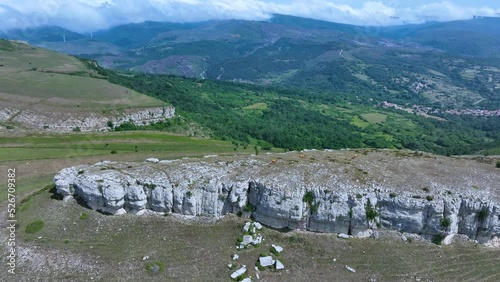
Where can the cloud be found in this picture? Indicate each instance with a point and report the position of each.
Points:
(91, 15)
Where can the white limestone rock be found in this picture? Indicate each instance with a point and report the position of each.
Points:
(246, 227)
(239, 272)
(279, 265)
(266, 261)
(257, 225)
(216, 188)
(247, 240)
(277, 248)
(350, 269)
(344, 236)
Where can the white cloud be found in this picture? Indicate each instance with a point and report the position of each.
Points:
(88, 15)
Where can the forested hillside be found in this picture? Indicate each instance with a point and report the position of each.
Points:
(298, 118)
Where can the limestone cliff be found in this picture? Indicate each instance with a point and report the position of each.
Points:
(349, 192)
(62, 121)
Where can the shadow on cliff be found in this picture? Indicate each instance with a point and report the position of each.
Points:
(79, 200)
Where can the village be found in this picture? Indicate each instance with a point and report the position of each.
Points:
(420, 110)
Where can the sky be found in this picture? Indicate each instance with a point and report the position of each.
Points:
(92, 15)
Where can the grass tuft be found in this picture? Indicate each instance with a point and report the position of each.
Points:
(35, 226)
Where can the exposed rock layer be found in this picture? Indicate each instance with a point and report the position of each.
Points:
(303, 192)
(67, 121)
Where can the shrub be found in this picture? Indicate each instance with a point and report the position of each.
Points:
(110, 124)
(84, 216)
(189, 194)
(308, 197)
(392, 195)
(359, 196)
(114, 152)
(482, 214)
(150, 185)
(155, 267)
(249, 208)
(445, 222)
(267, 147)
(498, 164)
(429, 198)
(314, 208)
(438, 239)
(66, 241)
(81, 171)
(426, 189)
(371, 213)
(77, 129)
(35, 226)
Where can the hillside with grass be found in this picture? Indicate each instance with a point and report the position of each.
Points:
(38, 84)
(450, 65)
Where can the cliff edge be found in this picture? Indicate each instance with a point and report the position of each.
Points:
(353, 192)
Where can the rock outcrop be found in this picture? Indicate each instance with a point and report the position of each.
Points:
(67, 121)
(324, 192)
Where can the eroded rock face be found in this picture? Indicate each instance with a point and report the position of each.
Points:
(67, 121)
(276, 197)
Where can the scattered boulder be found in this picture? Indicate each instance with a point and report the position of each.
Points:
(257, 225)
(239, 272)
(248, 279)
(247, 239)
(344, 236)
(448, 239)
(257, 240)
(153, 160)
(350, 269)
(236, 256)
(276, 248)
(246, 227)
(279, 265)
(266, 261)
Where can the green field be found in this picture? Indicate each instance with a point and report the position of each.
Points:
(256, 106)
(374, 117)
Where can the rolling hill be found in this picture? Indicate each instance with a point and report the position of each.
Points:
(38, 85)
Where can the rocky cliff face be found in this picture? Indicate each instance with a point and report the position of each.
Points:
(67, 121)
(316, 191)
